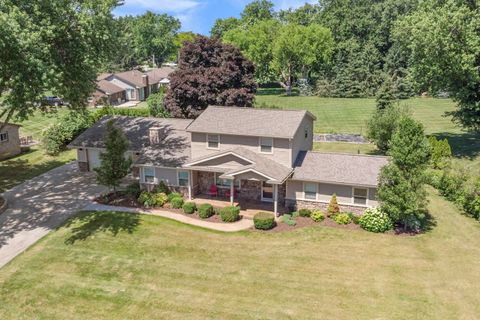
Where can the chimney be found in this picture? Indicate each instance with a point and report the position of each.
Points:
(145, 79)
(154, 133)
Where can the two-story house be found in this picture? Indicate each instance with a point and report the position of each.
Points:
(262, 155)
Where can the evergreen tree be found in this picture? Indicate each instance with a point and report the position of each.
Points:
(333, 207)
(114, 167)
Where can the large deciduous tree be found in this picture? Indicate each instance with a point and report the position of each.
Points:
(443, 41)
(51, 46)
(209, 73)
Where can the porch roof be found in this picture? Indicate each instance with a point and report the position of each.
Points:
(271, 170)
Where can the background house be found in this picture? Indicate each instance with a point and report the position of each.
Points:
(159, 77)
(9, 141)
(107, 92)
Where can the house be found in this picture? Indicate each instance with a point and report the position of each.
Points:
(159, 77)
(9, 141)
(261, 155)
(133, 82)
(107, 92)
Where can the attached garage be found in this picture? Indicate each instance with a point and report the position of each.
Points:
(93, 156)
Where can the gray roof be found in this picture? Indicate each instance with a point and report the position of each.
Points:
(136, 130)
(157, 74)
(133, 77)
(249, 121)
(108, 87)
(261, 164)
(338, 168)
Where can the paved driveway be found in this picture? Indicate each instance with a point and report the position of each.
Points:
(40, 205)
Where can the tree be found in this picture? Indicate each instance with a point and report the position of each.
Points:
(441, 152)
(114, 166)
(155, 36)
(54, 46)
(442, 38)
(401, 186)
(209, 73)
(257, 10)
(298, 50)
(222, 26)
(304, 15)
(155, 105)
(333, 207)
(383, 124)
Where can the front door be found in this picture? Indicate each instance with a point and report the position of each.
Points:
(267, 192)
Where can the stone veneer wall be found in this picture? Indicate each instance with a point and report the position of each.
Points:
(250, 190)
(205, 180)
(301, 204)
(82, 166)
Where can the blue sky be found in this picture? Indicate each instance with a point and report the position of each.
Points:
(197, 15)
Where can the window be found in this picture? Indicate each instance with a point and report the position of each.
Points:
(149, 175)
(213, 141)
(266, 145)
(225, 183)
(306, 133)
(4, 136)
(183, 178)
(360, 196)
(310, 191)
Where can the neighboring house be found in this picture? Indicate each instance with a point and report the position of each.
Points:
(134, 82)
(256, 154)
(159, 77)
(9, 141)
(107, 92)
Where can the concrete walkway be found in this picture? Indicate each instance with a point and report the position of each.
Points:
(40, 205)
(225, 227)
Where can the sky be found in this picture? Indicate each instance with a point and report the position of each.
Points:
(197, 15)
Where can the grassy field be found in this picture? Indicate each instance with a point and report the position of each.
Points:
(123, 266)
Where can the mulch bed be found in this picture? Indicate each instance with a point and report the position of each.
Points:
(303, 222)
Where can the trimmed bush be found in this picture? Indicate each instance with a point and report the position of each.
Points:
(304, 212)
(317, 216)
(342, 218)
(264, 221)
(205, 210)
(375, 220)
(146, 199)
(230, 214)
(133, 190)
(355, 218)
(177, 202)
(173, 195)
(287, 219)
(159, 199)
(189, 207)
(333, 207)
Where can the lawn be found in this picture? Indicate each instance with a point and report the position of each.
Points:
(124, 266)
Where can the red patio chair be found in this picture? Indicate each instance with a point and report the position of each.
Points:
(235, 192)
(213, 191)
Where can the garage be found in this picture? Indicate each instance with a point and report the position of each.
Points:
(93, 158)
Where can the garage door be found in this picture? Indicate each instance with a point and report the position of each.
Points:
(93, 158)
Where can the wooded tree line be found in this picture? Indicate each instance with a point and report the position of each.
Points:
(366, 48)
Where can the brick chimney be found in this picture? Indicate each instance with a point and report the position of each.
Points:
(155, 135)
(145, 83)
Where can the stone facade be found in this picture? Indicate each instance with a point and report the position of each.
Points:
(205, 180)
(250, 190)
(293, 205)
(82, 166)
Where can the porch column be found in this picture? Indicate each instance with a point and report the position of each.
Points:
(275, 199)
(190, 185)
(231, 191)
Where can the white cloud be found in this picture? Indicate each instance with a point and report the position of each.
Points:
(164, 5)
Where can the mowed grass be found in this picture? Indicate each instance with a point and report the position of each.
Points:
(123, 266)
(337, 115)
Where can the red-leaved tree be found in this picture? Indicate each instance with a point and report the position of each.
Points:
(209, 73)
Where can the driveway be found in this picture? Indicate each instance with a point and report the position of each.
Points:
(40, 205)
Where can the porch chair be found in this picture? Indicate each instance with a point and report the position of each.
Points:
(213, 191)
(235, 193)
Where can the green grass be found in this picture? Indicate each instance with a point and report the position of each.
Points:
(39, 121)
(343, 147)
(124, 266)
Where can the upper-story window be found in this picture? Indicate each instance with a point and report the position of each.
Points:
(213, 141)
(266, 145)
(3, 136)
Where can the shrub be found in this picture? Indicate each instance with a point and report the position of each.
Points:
(146, 199)
(162, 187)
(317, 216)
(441, 152)
(375, 220)
(159, 199)
(133, 190)
(111, 111)
(287, 219)
(451, 185)
(189, 207)
(264, 221)
(333, 207)
(304, 212)
(155, 105)
(174, 195)
(342, 218)
(177, 202)
(205, 210)
(355, 218)
(230, 214)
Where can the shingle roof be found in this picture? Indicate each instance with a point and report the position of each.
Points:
(133, 76)
(136, 130)
(157, 74)
(249, 121)
(334, 168)
(261, 164)
(103, 76)
(172, 151)
(108, 87)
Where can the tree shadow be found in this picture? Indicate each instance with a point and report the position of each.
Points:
(87, 224)
(466, 144)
